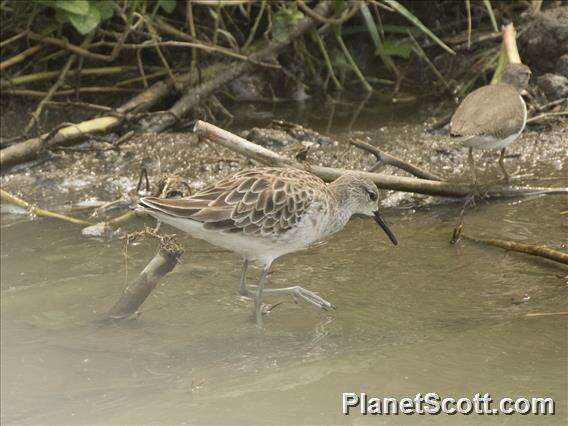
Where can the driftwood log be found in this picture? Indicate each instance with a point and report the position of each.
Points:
(135, 293)
(398, 183)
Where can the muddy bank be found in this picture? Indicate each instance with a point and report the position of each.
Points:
(94, 171)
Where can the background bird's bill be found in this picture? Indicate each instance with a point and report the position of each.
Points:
(381, 221)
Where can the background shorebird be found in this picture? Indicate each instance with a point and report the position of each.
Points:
(493, 116)
(265, 213)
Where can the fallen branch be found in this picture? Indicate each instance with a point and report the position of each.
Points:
(12, 199)
(532, 249)
(383, 157)
(29, 150)
(162, 263)
(398, 183)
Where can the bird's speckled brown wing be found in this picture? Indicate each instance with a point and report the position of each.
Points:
(259, 201)
(497, 110)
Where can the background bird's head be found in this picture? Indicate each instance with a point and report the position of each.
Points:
(517, 75)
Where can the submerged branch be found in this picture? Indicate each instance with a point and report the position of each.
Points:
(163, 262)
(12, 199)
(532, 249)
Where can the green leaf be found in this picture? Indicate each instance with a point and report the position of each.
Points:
(392, 48)
(283, 21)
(491, 15)
(408, 15)
(106, 8)
(61, 16)
(371, 26)
(77, 7)
(167, 5)
(46, 3)
(85, 23)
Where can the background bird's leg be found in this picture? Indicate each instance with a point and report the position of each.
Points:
(502, 165)
(243, 287)
(472, 165)
(259, 294)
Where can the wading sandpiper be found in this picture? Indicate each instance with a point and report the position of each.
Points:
(493, 116)
(265, 213)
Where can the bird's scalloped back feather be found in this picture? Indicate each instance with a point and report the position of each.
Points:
(259, 201)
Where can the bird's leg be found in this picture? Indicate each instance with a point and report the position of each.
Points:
(259, 294)
(502, 165)
(243, 287)
(298, 292)
(472, 165)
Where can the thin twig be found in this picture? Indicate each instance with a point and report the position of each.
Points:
(353, 64)
(52, 90)
(348, 14)
(201, 46)
(327, 61)
(191, 25)
(81, 105)
(67, 92)
(64, 44)
(49, 75)
(13, 38)
(423, 55)
(11, 198)
(155, 38)
(255, 25)
(141, 68)
(547, 116)
(385, 158)
(552, 104)
(19, 57)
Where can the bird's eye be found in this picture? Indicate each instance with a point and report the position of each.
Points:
(372, 195)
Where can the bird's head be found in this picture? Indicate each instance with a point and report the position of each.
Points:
(517, 75)
(362, 197)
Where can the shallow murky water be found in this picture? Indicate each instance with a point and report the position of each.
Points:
(425, 316)
(421, 317)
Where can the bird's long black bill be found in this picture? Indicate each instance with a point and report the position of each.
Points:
(379, 219)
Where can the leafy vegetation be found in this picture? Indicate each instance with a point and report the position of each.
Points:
(361, 43)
